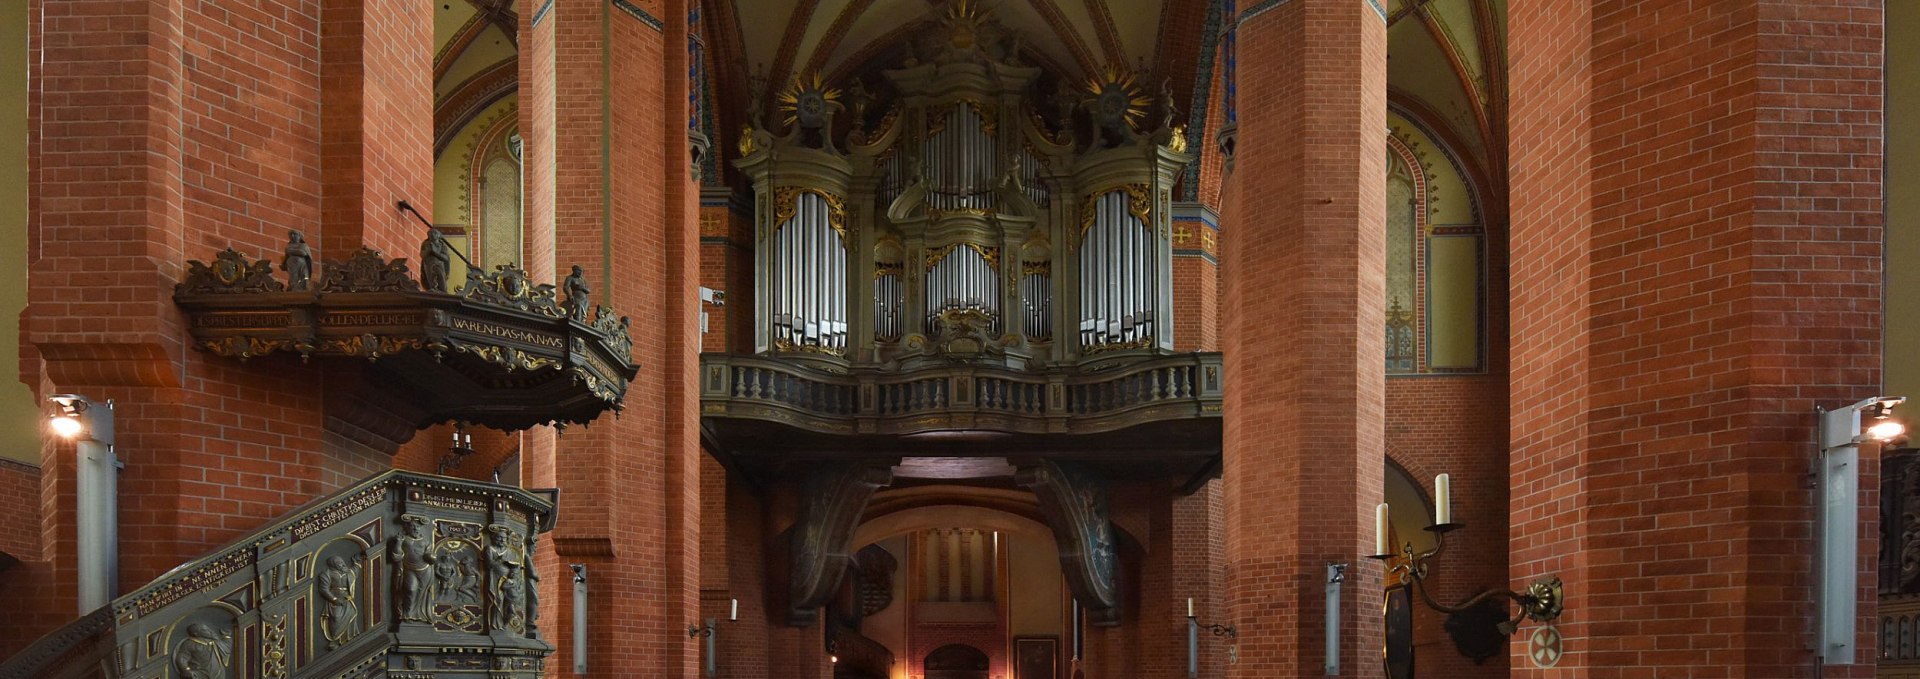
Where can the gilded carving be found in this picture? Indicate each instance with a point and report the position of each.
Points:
(368, 271)
(991, 254)
(786, 202)
(509, 286)
(273, 647)
(1139, 204)
(230, 273)
(244, 347)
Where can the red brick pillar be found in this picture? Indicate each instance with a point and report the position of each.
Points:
(1696, 265)
(1305, 270)
(376, 123)
(606, 97)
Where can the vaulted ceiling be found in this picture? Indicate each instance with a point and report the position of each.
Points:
(1446, 58)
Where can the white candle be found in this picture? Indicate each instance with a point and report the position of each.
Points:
(1380, 545)
(469, 440)
(1189, 607)
(1442, 499)
(733, 613)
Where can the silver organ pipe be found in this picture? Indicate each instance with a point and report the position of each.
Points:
(889, 300)
(811, 296)
(1030, 178)
(1035, 293)
(1118, 275)
(893, 180)
(960, 162)
(963, 279)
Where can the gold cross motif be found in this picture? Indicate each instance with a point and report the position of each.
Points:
(1206, 240)
(710, 224)
(1181, 235)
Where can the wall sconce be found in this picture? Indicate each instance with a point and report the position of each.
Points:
(1836, 524)
(1542, 601)
(462, 448)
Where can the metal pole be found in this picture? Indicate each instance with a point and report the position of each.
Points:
(580, 618)
(1336, 574)
(712, 659)
(1193, 648)
(97, 507)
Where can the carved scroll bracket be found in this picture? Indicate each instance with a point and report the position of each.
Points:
(1074, 500)
(831, 502)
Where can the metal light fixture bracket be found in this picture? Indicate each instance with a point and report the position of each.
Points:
(1542, 601)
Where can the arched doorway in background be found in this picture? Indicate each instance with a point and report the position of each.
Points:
(956, 661)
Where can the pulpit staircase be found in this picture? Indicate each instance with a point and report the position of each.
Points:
(402, 575)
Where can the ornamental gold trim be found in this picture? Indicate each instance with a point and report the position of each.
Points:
(1139, 204)
(991, 254)
(786, 201)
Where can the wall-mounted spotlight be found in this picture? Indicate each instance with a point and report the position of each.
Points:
(1836, 526)
(78, 418)
(89, 425)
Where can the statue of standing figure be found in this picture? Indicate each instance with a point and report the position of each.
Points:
(503, 581)
(412, 554)
(298, 262)
(435, 261)
(340, 618)
(204, 654)
(577, 301)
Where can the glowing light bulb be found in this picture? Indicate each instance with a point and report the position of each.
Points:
(65, 426)
(1886, 430)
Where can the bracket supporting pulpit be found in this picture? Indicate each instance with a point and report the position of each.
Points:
(831, 501)
(1074, 500)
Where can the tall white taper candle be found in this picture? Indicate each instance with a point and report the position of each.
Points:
(1442, 499)
(1380, 543)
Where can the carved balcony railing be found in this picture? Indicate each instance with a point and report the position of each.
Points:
(400, 575)
(972, 397)
(501, 351)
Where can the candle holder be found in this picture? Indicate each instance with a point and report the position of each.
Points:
(1227, 631)
(700, 630)
(1542, 602)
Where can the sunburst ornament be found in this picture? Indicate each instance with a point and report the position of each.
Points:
(1117, 98)
(963, 24)
(807, 101)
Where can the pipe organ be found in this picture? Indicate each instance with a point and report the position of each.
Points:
(979, 202)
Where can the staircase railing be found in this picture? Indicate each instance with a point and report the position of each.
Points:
(399, 575)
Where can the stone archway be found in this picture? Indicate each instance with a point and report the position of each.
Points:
(956, 661)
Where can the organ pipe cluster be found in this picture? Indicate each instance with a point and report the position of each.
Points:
(810, 294)
(987, 208)
(1119, 276)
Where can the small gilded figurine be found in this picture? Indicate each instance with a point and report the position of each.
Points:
(577, 302)
(435, 260)
(298, 263)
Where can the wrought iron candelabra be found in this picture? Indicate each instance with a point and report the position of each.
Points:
(1541, 602)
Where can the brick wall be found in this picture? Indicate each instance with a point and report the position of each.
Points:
(1305, 274)
(1696, 265)
(20, 502)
